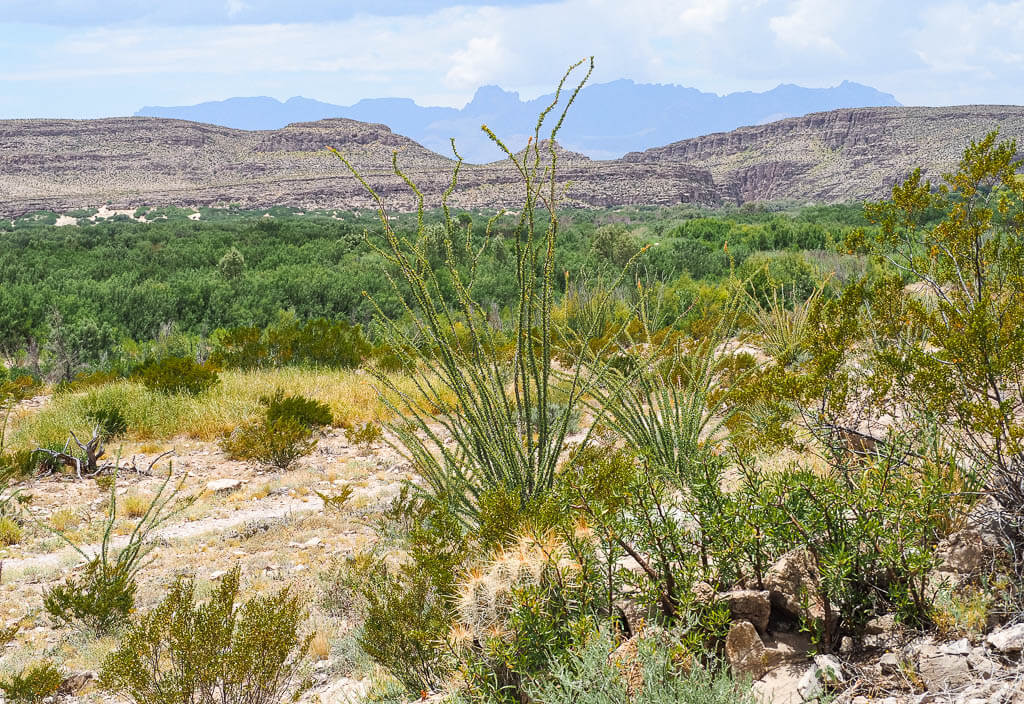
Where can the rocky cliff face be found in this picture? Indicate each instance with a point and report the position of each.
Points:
(839, 155)
(127, 162)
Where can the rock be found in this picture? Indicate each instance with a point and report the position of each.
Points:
(982, 664)
(793, 582)
(214, 576)
(780, 686)
(809, 687)
(1009, 639)
(846, 646)
(703, 592)
(963, 553)
(958, 647)
(940, 672)
(226, 484)
(830, 669)
(890, 664)
(880, 624)
(76, 682)
(745, 650)
(748, 605)
(881, 633)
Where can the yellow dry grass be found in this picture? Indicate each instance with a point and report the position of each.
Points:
(152, 416)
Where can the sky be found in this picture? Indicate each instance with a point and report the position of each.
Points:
(96, 58)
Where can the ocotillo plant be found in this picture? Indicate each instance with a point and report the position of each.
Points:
(502, 430)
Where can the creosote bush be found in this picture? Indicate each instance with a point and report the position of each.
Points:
(33, 684)
(177, 375)
(283, 433)
(182, 652)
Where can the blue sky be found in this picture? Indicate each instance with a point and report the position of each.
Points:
(92, 58)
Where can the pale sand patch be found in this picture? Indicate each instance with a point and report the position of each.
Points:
(63, 220)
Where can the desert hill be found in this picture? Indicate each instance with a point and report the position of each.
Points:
(841, 155)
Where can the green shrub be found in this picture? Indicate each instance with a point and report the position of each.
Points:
(10, 532)
(110, 421)
(247, 654)
(307, 411)
(590, 676)
(104, 595)
(33, 684)
(177, 375)
(363, 435)
(277, 443)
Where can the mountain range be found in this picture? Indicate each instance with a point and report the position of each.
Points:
(607, 121)
(826, 157)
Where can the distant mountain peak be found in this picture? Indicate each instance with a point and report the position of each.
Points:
(609, 120)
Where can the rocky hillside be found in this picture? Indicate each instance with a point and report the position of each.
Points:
(128, 162)
(839, 155)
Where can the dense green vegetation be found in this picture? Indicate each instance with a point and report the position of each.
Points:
(74, 298)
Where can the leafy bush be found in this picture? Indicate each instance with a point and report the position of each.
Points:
(177, 375)
(307, 411)
(248, 654)
(278, 443)
(103, 596)
(646, 676)
(34, 684)
(363, 435)
(109, 420)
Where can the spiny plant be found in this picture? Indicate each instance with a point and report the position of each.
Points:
(499, 438)
(104, 595)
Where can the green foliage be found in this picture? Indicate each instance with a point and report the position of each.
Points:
(954, 341)
(307, 411)
(182, 652)
(33, 684)
(364, 435)
(10, 531)
(232, 264)
(278, 443)
(109, 420)
(318, 342)
(103, 596)
(591, 676)
(499, 439)
(177, 375)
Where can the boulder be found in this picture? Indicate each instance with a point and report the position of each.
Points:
(748, 605)
(889, 664)
(75, 683)
(780, 686)
(1009, 639)
(745, 650)
(940, 672)
(226, 484)
(963, 552)
(627, 661)
(793, 585)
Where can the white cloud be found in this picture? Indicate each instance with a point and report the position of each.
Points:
(439, 56)
(481, 58)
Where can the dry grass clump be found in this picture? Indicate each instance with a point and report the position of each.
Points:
(153, 416)
(63, 520)
(134, 504)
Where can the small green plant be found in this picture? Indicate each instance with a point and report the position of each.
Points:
(10, 532)
(338, 501)
(33, 684)
(103, 596)
(363, 436)
(177, 375)
(307, 411)
(110, 421)
(249, 654)
(277, 443)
